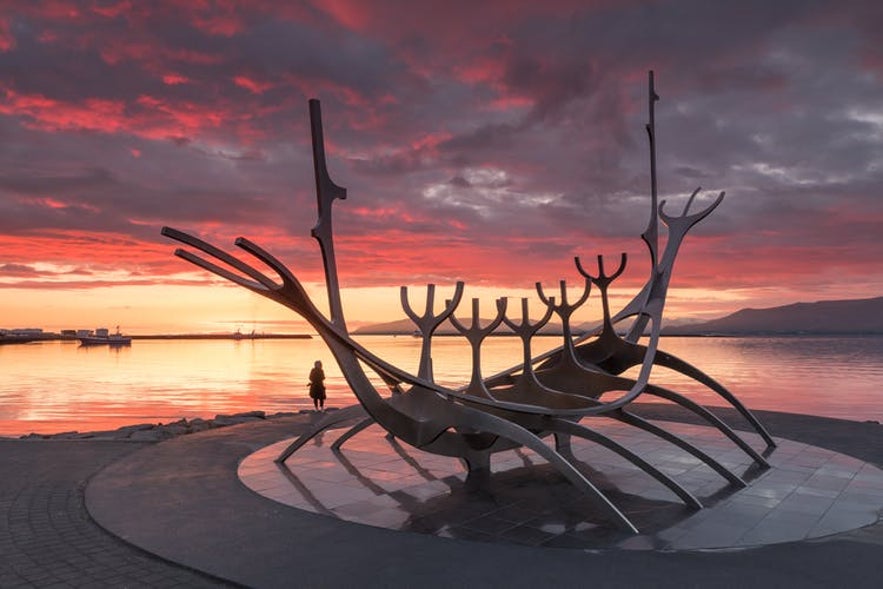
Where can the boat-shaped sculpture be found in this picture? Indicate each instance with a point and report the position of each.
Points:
(552, 396)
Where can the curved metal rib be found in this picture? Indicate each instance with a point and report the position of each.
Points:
(674, 363)
(607, 382)
(574, 429)
(710, 418)
(351, 432)
(683, 444)
(328, 421)
(520, 435)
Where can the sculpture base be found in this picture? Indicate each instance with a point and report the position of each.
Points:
(810, 492)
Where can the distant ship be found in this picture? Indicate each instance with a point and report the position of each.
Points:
(102, 337)
(238, 335)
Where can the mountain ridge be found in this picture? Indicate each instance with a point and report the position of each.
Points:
(831, 317)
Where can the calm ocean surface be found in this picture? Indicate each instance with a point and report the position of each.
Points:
(59, 386)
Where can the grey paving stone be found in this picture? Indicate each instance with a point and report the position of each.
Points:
(47, 538)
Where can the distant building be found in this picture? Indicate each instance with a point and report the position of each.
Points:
(26, 331)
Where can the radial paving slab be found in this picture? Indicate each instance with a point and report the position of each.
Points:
(810, 492)
(182, 500)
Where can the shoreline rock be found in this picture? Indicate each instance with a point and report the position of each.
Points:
(156, 432)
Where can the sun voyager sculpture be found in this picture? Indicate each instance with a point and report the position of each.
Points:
(540, 403)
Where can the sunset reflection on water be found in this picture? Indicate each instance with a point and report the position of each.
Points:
(60, 386)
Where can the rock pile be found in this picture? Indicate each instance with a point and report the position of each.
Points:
(155, 432)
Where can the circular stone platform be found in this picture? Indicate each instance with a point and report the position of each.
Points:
(809, 492)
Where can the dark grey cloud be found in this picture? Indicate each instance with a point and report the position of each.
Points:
(533, 131)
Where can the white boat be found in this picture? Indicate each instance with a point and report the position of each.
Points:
(102, 337)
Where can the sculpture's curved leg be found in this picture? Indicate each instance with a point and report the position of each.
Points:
(603, 382)
(581, 431)
(710, 418)
(327, 422)
(516, 433)
(478, 466)
(674, 363)
(632, 419)
(361, 426)
(562, 443)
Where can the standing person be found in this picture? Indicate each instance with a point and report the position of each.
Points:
(317, 386)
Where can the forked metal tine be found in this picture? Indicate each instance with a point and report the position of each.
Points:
(267, 258)
(222, 272)
(564, 306)
(526, 326)
(452, 304)
(690, 201)
(581, 270)
(218, 253)
(502, 303)
(430, 300)
(429, 318)
(524, 317)
(406, 304)
(602, 278)
(689, 220)
(512, 325)
(623, 258)
(546, 316)
(456, 322)
(475, 328)
(548, 301)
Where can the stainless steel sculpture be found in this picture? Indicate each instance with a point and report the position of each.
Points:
(547, 395)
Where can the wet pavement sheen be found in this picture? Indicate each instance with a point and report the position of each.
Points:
(808, 493)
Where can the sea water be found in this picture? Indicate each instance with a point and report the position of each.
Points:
(51, 387)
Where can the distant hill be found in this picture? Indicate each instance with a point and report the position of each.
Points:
(856, 316)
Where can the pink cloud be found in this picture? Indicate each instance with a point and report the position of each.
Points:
(174, 79)
(46, 113)
(549, 96)
(7, 41)
(251, 85)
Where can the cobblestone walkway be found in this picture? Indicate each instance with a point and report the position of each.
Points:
(47, 538)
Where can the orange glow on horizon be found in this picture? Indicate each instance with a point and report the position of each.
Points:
(488, 142)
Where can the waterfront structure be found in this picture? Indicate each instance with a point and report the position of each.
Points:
(103, 337)
(550, 396)
(23, 335)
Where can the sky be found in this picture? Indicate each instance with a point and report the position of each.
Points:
(489, 142)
